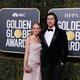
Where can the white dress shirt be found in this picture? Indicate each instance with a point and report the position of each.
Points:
(49, 35)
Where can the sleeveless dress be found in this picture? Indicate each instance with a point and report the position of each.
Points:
(34, 62)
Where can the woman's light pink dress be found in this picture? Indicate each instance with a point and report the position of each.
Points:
(34, 62)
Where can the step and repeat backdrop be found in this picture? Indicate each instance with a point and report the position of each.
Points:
(15, 25)
(69, 20)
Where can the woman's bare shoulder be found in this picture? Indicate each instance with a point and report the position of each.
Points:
(28, 38)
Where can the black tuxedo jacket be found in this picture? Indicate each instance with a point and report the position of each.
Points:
(57, 51)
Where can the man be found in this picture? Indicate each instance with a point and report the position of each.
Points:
(54, 49)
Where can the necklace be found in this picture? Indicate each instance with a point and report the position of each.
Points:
(36, 39)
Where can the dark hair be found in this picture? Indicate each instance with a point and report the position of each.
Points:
(56, 19)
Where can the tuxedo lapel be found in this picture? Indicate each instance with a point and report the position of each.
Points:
(54, 36)
(45, 41)
(43, 38)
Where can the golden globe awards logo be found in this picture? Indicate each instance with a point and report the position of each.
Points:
(16, 32)
(70, 35)
(15, 26)
(69, 20)
(72, 30)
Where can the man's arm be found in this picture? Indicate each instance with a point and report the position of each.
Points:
(64, 48)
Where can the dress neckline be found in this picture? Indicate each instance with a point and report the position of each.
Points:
(34, 43)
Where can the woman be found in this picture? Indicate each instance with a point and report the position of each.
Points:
(32, 54)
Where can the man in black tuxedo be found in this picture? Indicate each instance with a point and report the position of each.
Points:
(54, 49)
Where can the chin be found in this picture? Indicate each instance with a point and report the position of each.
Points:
(50, 26)
(36, 34)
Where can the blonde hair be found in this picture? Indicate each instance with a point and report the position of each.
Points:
(32, 27)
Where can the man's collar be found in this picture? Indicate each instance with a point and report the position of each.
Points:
(52, 28)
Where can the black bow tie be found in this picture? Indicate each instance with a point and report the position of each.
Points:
(50, 29)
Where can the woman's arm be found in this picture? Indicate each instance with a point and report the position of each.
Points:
(26, 55)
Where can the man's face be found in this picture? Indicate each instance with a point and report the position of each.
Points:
(50, 21)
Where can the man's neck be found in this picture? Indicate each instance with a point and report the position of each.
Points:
(51, 27)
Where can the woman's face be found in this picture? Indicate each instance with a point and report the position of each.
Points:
(36, 29)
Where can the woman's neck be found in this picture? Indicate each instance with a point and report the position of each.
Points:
(36, 36)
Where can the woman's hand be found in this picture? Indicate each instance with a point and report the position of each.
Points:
(27, 69)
